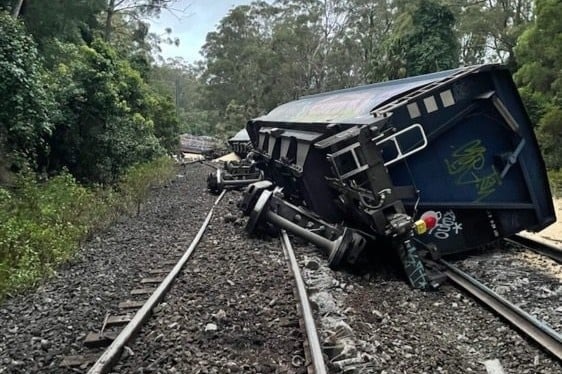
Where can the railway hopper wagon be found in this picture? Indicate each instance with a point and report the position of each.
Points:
(434, 164)
(240, 143)
(236, 174)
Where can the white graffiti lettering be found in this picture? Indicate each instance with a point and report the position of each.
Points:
(447, 225)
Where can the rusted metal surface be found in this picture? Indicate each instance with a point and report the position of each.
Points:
(130, 304)
(96, 339)
(142, 291)
(152, 280)
(79, 360)
(197, 144)
(118, 320)
(159, 271)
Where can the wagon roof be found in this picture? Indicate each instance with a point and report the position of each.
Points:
(241, 136)
(197, 144)
(346, 104)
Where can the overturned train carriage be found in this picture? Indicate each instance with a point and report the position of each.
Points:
(240, 143)
(446, 161)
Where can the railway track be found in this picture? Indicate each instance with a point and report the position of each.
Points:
(389, 320)
(316, 355)
(538, 330)
(111, 356)
(542, 248)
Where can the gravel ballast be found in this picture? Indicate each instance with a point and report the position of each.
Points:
(232, 308)
(391, 328)
(529, 280)
(39, 327)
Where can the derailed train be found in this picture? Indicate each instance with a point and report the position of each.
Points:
(439, 163)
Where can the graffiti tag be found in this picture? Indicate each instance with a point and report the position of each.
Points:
(467, 163)
(446, 226)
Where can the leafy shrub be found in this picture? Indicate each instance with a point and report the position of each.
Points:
(24, 103)
(141, 178)
(42, 223)
(107, 120)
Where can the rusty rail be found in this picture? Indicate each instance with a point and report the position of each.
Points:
(319, 367)
(112, 354)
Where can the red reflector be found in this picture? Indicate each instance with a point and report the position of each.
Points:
(430, 221)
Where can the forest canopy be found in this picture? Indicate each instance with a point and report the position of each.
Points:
(97, 79)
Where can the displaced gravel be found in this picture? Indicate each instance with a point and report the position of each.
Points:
(40, 327)
(529, 280)
(378, 324)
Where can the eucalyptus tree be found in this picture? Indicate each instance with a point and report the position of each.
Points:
(132, 9)
(539, 54)
(423, 40)
(369, 29)
(239, 60)
(312, 32)
(488, 29)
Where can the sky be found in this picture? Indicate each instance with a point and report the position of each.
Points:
(191, 27)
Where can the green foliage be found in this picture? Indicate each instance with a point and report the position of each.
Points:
(540, 58)
(488, 30)
(24, 103)
(68, 21)
(423, 42)
(108, 116)
(80, 109)
(131, 10)
(137, 183)
(166, 123)
(41, 224)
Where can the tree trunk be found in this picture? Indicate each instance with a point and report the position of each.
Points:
(17, 8)
(108, 20)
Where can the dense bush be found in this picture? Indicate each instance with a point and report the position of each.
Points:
(136, 184)
(25, 105)
(107, 114)
(89, 121)
(43, 222)
(540, 80)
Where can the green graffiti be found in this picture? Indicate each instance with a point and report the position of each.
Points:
(467, 163)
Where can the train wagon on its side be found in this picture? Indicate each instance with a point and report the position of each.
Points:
(240, 143)
(444, 162)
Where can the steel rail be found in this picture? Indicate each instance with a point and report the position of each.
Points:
(310, 326)
(539, 247)
(206, 163)
(541, 333)
(112, 354)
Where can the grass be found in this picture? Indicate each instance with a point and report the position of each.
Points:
(43, 223)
